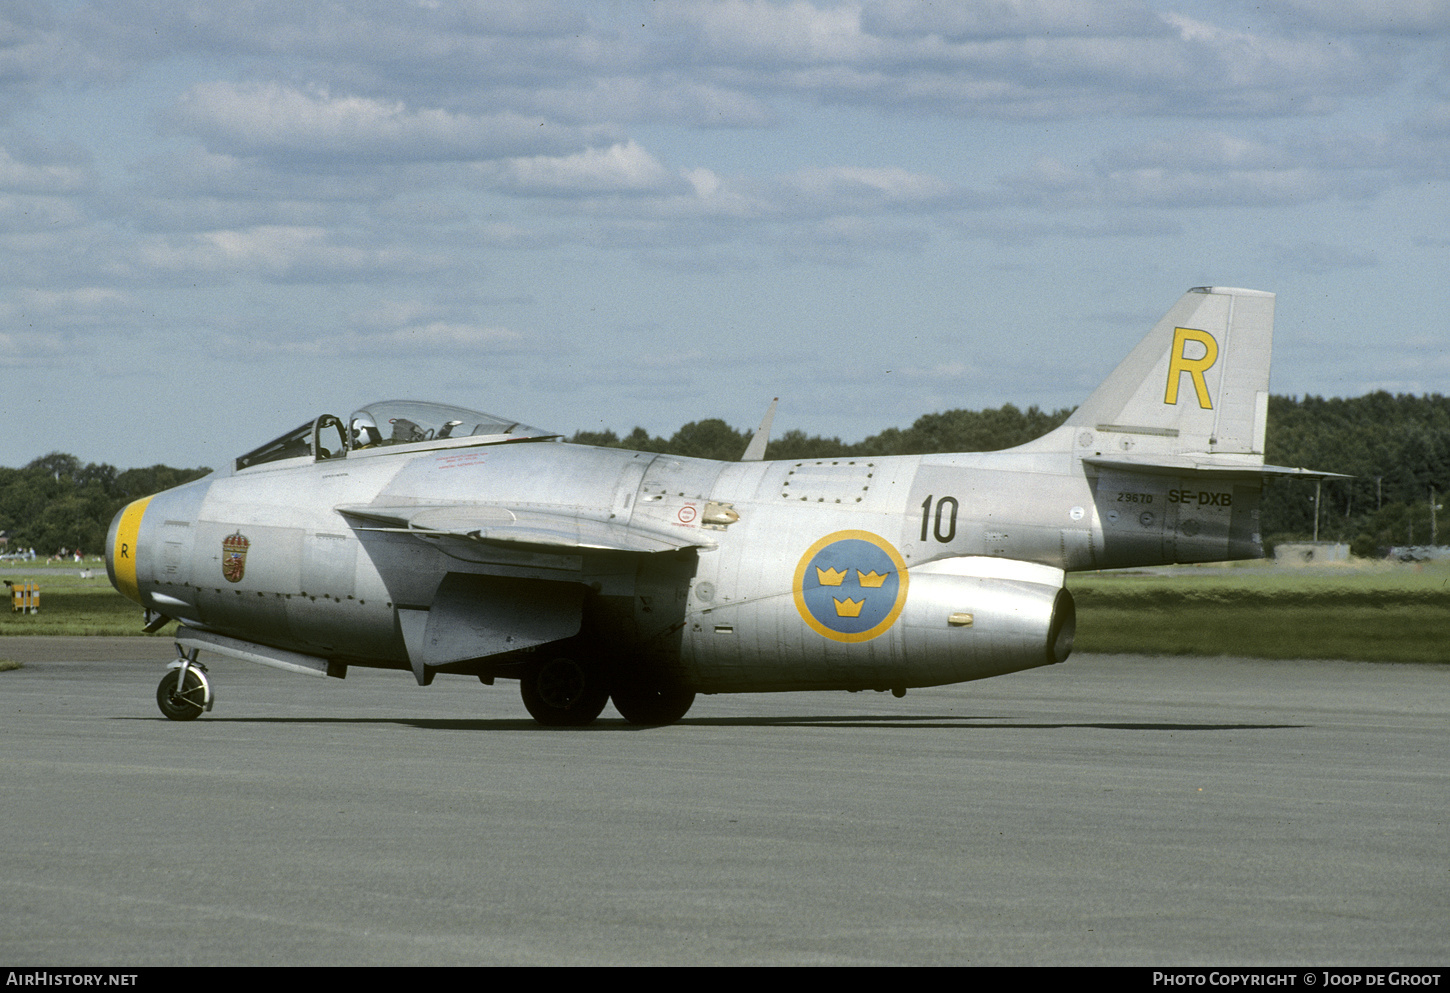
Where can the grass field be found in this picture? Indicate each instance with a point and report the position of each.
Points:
(70, 604)
(1377, 612)
(1380, 612)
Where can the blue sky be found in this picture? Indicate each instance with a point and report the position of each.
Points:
(218, 220)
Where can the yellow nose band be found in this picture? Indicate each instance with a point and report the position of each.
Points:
(123, 553)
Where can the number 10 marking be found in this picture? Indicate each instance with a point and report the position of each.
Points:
(937, 531)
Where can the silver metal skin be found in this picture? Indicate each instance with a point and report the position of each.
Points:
(435, 539)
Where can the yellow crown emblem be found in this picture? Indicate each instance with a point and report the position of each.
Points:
(871, 580)
(830, 577)
(848, 607)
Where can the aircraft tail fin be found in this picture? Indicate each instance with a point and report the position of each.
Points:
(1198, 383)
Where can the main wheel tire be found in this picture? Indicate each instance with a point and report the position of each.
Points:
(178, 701)
(642, 703)
(564, 691)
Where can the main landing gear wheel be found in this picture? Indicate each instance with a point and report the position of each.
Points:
(640, 703)
(181, 699)
(564, 691)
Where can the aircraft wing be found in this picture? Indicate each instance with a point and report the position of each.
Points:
(532, 530)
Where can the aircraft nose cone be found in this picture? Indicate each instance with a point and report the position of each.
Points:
(121, 549)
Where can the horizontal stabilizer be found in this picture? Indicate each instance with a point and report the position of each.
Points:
(532, 529)
(1207, 465)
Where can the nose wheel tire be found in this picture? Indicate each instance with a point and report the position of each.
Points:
(564, 691)
(181, 698)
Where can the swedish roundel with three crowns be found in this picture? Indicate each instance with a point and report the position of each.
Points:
(850, 585)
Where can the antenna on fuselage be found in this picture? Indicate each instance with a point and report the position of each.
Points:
(755, 451)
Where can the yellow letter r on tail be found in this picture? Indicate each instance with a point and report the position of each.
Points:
(1180, 363)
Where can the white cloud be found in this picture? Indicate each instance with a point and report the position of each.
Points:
(1236, 188)
(1215, 169)
(813, 192)
(35, 48)
(1256, 71)
(22, 177)
(276, 120)
(1030, 58)
(1200, 150)
(863, 187)
(619, 169)
(434, 339)
(1368, 16)
(1012, 18)
(755, 31)
(641, 91)
(279, 253)
(705, 182)
(29, 347)
(85, 298)
(1165, 187)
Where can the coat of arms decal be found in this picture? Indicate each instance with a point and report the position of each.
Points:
(234, 556)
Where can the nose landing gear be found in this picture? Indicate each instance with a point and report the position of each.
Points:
(184, 693)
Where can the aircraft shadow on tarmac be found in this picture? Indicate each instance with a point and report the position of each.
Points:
(864, 722)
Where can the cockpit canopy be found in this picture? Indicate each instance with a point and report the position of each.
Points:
(401, 422)
(416, 424)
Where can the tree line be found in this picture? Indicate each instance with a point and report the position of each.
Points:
(949, 431)
(1397, 448)
(56, 504)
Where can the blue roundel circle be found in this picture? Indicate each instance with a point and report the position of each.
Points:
(850, 585)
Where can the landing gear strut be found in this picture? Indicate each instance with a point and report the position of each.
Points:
(184, 692)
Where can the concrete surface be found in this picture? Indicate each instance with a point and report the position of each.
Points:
(1113, 810)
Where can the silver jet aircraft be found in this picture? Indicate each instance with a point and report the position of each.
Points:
(434, 539)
